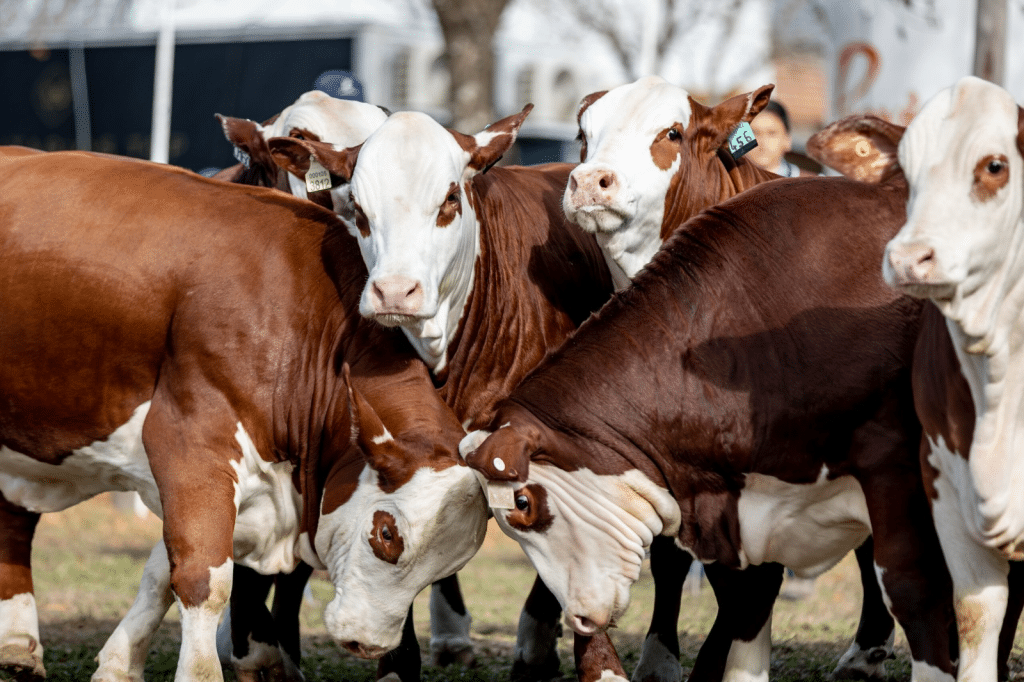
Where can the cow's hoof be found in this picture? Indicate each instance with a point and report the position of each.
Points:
(443, 658)
(550, 669)
(18, 664)
(390, 677)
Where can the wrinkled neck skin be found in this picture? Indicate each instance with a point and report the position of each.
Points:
(432, 336)
(988, 345)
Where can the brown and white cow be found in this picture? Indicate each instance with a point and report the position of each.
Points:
(961, 249)
(652, 157)
(480, 268)
(693, 406)
(200, 343)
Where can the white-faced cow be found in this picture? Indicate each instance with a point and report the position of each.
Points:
(200, 343)
(479, 267)
(694, 406)
(652, 157)
(961, 249)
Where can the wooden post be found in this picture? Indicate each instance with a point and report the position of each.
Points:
(990, 41)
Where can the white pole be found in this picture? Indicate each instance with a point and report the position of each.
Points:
(162, 85)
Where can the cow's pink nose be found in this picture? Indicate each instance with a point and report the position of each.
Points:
(913, 264)
(396, 295)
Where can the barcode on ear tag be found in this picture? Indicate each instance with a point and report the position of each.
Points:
(742, 140)
(317, 177)
(500, 495)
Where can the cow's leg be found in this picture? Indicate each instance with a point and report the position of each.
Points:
(402, 664)
(251, 636)
(123, 656)
(659, 659)
(536, 653)
(738, 647)
(980, 590)
(911, 571)
(449, 625)
(1014, 606)
(289, 590)
(21, 652)
(873, 643)
(596, 659)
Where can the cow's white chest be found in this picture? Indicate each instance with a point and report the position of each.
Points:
(806, 527)
(117, 463)
(267, 524)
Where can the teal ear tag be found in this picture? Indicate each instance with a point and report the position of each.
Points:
(742, 140)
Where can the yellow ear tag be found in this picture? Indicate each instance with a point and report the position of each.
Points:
(317, 177)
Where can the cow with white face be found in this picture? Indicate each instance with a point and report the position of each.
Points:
(479, 267)
(652, 157)
(961, 248)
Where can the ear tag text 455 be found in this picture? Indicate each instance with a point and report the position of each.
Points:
(317, 177)
(741, 140)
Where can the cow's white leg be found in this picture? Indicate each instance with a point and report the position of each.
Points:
(123, 657)
(979, 589)
(198, 658)
(20, 647)
(749, 661)
(449, 629)
(858, 663)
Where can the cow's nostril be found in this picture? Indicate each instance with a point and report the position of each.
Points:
(606, 181)
(378, 293)
(572, 183)
(926, 257)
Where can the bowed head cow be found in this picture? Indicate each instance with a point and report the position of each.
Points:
(200, 343)
(962, 249)
(652, 157)
(692, 406)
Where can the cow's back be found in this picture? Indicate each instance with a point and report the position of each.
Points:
(111, 269)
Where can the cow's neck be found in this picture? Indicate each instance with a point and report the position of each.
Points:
(628, 250)
(433, 337)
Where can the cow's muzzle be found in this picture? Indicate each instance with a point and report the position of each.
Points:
(914, 269)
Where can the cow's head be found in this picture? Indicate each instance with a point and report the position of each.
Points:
(314, 116)
(641, 142)
(585, 530)
(416, 221)
(961, 246)
(407, 514)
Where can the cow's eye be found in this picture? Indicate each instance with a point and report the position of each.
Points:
(673, 134)
(453, 198)
(298, 136)
(522, 502)
(385, 534)
(995, 166)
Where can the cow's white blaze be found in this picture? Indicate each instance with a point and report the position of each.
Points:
(618, 192)
(441, 519)
(601, 529)
(812, 526)
(963, 247)
(420, 272)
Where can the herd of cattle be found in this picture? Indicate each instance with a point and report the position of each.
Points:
(350, 350)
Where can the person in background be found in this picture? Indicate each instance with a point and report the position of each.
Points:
(771, 128)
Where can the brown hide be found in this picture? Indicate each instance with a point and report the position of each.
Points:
(537, 278)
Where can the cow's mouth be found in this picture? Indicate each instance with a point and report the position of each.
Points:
(396, 319)
(364, 650)
(599, 218)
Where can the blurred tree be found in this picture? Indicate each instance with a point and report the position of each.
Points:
(468, 27)
(642, 34)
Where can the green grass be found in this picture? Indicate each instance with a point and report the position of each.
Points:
(88, 560)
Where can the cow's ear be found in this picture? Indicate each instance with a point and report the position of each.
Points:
(862, 147)
(1020, 130)
(293, 155)
(503, 455)
(383, 453)
(250, 146)
(486, 148)
(711, 126)
(290, 154)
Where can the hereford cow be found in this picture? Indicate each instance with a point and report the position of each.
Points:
(652, 157)
(961, 249)
(328, 123)
(693, 406)
(479, 267)
(200, 343)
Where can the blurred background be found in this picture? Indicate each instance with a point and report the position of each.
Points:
(145, 77)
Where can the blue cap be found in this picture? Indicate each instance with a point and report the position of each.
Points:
(340, 84)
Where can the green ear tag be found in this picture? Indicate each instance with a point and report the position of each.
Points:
(742, 140)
